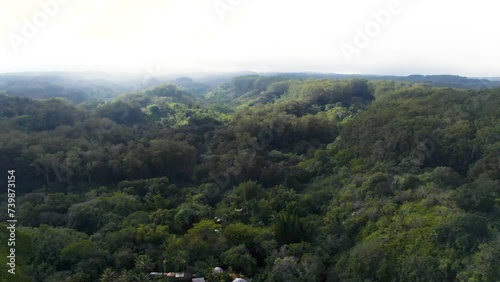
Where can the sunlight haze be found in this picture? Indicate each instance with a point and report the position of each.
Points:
(427, 37)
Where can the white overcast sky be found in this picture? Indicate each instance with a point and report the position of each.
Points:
(424, 36)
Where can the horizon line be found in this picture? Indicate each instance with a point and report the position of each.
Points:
(235, 72)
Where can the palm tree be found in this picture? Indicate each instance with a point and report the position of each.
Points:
(109, 275)
(143, 263)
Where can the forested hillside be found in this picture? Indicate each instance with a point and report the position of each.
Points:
(271, 178)
(82, 87)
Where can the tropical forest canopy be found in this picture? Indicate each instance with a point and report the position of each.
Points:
(275, 178)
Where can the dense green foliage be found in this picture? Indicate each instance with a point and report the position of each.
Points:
(274, 178)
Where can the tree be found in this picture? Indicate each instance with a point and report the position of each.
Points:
(204, 239)
(484, 263)
(239, 233)
(79, 251)
(144, 264)
(287, 269)
(109, 275)
(464, 232)
(87, 217)
(240, 260)
(289, 228)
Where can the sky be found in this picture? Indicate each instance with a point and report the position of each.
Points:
(386, 37)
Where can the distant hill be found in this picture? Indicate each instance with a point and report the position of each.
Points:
(433, 80)
(71, 86)
(80, 87)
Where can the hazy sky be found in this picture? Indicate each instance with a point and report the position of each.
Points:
(358, 36)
